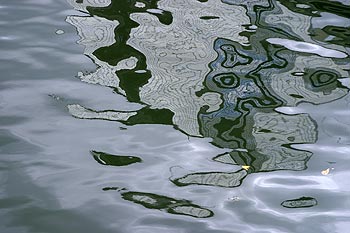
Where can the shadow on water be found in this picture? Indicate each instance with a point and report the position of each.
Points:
(217, 70)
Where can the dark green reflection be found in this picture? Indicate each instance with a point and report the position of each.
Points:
(130, 81)
(333, 34)
(170, 205)
(314, 7)
(114, 160)
(220, 179)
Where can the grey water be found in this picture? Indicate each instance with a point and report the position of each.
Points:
(174, 116)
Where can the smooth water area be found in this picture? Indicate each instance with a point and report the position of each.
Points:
(174, 116)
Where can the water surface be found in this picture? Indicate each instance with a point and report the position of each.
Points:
(174, 116)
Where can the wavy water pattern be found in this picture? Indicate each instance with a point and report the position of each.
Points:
(228, 93)
(208, 116)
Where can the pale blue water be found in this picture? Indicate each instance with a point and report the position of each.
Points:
(184, 181)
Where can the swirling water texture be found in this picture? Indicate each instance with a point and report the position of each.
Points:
(205, 68)
(251, 77)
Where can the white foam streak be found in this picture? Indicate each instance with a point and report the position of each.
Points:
(305, 47)
(306, 182)
(332, 149)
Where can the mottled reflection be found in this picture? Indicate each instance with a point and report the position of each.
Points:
(220, 179)
(170, 205)
(164, 203)
(302, 202)
(218, 69)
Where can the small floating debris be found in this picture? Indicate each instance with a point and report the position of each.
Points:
(246, 167)
(59, 32)
(55, 97)
(114, 160)
(114, 189)
(234, 198)
(325, 172)
(302, 202)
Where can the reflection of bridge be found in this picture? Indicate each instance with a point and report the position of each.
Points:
(228, 93)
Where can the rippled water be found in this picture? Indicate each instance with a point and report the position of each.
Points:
(174, 116)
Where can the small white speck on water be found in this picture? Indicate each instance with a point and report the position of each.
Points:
(59, 32)
(140, 71)
(253, 27)
(303, 6)
(299, 73)
(140, 5)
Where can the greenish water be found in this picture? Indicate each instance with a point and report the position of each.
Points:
(174, 116)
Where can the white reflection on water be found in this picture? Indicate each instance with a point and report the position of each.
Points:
(307, 47)
(319, 148)
(300, 182)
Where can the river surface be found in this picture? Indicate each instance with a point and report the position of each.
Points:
(174, 116)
